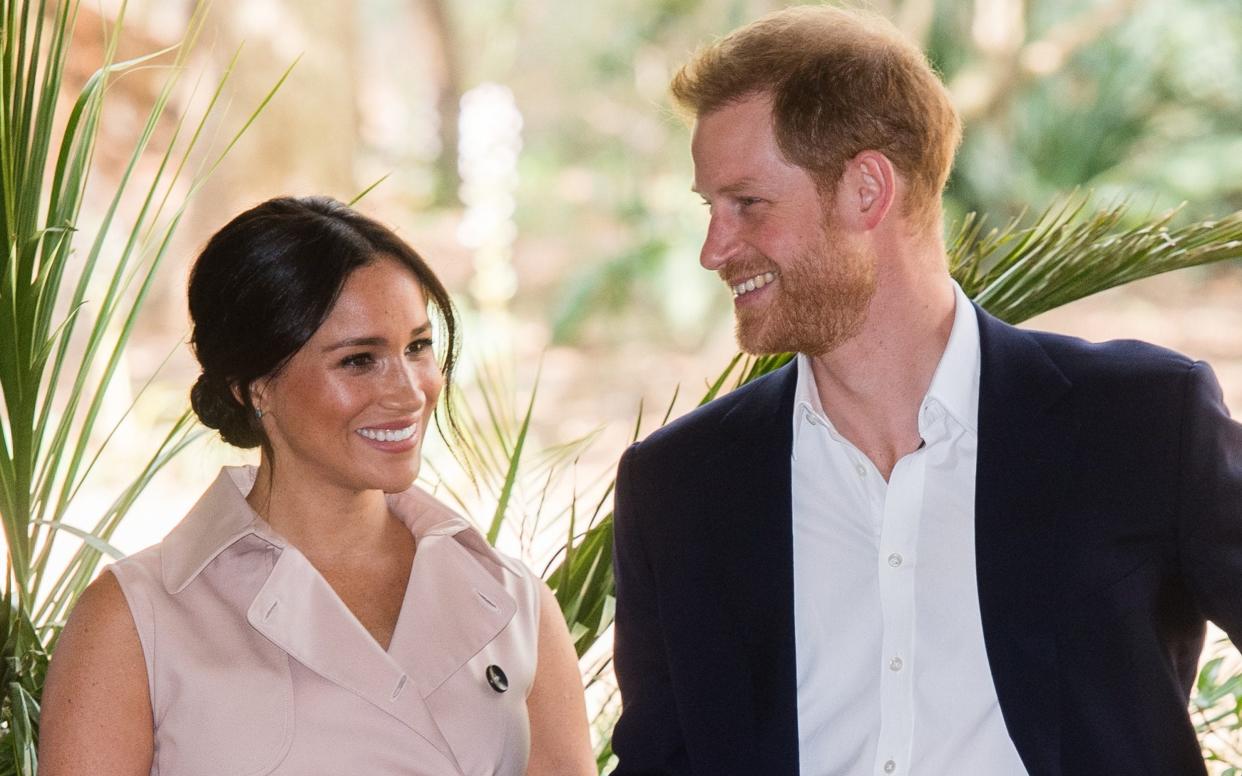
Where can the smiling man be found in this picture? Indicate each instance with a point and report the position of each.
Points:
(933, 543)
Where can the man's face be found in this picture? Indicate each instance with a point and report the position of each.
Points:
(798, 284)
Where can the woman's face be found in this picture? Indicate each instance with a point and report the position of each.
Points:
(351, 407)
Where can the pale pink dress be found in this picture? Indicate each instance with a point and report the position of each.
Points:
(255, 666)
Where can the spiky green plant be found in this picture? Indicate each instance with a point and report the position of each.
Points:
(1216, 706)
(68, 306)
(1015, 272)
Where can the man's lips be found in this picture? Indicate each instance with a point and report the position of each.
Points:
(746, 285)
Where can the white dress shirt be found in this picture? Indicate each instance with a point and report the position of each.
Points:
(893, 677)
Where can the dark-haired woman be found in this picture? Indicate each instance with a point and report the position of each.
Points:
(319, 614)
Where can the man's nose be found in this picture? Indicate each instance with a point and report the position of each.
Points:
(720, 244)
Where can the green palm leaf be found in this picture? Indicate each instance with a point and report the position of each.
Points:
(54, 373)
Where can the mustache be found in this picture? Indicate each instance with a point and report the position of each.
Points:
(737, 273)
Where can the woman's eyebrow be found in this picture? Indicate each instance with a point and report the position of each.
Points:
(357, 342)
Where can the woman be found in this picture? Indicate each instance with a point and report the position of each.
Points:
(321, 614)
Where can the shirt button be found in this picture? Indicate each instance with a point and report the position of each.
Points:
(895, 560)
(890, 766)
(895, 664)
(862, 470)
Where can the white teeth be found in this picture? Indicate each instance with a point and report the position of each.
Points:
(389, 434)
(758, 281)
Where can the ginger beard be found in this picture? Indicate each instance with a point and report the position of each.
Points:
(819, 300)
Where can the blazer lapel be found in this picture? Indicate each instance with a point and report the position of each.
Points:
(1026, 445)
(753, 545)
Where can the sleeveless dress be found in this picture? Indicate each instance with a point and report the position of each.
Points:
(255, 666)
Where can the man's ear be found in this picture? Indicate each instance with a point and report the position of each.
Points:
(870, 187)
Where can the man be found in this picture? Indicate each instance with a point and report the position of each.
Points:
(932, 544)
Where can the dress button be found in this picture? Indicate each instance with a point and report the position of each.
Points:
(895, 560)
(890, 766)
(497, 679)
(895, 664)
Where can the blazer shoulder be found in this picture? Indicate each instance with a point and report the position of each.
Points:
(1129, 359)
(708, 427)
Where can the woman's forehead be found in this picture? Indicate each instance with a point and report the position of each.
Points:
(384, 293)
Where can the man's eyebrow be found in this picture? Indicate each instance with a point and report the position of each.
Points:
(732, 188)
(358, 342)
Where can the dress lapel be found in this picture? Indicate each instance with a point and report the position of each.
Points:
(297, 610)
(455, 604)
(452, 610)
(1026, 447)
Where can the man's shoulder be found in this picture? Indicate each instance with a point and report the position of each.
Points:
(1083, 360)
(717, 422)
(1080, 358)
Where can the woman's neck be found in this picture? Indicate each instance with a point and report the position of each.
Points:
(327, 522)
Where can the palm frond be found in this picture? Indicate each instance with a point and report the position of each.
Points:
(1019, 271)
(55, 374)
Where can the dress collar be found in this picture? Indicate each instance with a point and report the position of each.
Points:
(222, 516)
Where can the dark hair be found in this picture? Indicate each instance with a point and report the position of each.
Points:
(841, 81)
(267, 281)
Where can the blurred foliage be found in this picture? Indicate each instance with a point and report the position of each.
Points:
(1140, 99)
(1216, 708)
(70, 292)
(1137, 100)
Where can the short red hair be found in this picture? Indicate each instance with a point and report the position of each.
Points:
(841, 82)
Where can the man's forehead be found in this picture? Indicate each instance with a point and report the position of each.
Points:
(751, 114)
(734, 145)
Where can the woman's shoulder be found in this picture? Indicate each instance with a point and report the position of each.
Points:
(97, 682)
(100, 614)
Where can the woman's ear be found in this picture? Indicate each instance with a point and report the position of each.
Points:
(256, 391)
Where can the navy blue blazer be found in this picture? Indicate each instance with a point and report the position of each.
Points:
(1108, 530)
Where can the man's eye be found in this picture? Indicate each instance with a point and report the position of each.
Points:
(357, 360)
(748, 201)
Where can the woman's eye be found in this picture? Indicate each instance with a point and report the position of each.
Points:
(419, 346)
(357, 360)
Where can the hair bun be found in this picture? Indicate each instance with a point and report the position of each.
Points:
(216, 407)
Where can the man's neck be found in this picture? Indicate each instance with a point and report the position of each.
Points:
(872, 386)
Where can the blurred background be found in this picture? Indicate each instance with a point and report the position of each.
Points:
(527, 149)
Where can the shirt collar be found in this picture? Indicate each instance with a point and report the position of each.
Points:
(222, 517)
(954, 385)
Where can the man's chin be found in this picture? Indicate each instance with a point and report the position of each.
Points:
(756, 342)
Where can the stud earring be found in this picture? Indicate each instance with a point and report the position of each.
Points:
(258, 414)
